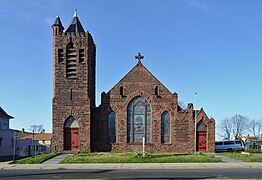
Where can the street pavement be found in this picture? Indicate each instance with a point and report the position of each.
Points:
(132, 174)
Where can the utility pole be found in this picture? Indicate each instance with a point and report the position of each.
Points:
(33, 142)
(14, 143)
(195, 148)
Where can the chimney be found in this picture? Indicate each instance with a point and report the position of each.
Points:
(23, 130)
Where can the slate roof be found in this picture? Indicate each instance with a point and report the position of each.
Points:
(75, 25)
(58, 22)
(4, 114)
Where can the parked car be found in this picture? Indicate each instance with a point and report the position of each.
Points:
(229, 146)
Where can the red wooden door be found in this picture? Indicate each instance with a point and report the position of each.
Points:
(71, 139)
(74, 139)
(201, 141)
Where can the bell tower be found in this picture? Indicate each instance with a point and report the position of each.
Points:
(74, 64)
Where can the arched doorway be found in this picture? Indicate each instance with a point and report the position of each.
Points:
(201, 136)
(71, 134)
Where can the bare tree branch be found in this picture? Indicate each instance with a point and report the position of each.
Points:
(226, 128)
(36, 128)
(256, 127)
(235, 126)
(240, 125)
(182, 104)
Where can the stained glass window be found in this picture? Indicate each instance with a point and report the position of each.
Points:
(112, 127)
(138, 121)
(165, 128)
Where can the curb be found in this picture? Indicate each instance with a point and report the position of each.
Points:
(134, 166)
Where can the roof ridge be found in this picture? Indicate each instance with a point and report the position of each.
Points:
(4, 114)
(139, 63)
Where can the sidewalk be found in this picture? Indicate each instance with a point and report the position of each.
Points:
(227, 159)
(57, 159)
(133, 166)
(53, 164)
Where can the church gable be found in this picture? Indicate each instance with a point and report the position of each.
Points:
(140, 79)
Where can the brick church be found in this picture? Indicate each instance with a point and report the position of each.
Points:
(139, 107)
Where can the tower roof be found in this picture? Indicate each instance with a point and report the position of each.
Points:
(58, 22)
(75, 25)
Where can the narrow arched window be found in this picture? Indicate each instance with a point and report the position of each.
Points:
(81, 55)
(157, 91)
(71, 61)
(60, 55)
(121, 90)
(138, 121)
(165, 128)
(112, 127)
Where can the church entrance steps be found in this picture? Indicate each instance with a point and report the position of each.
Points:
(68, 152)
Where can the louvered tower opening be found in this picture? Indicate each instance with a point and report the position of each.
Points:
(60, 55)
(71, 60)
(81, 55)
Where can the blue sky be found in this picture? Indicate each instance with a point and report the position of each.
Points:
(210, 47)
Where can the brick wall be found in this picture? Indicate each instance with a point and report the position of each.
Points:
(73, 96)
(140, 82)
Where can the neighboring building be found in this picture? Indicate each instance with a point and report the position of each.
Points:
(247, 138)
(43, 139)
(138, 106)
(251, 142)
(27, 147)
(6, 136)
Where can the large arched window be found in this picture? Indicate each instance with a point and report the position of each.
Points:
(165, 128)
(112, 127)
(139, 121)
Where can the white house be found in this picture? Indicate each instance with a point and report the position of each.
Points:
(10, 142)
(6, 136)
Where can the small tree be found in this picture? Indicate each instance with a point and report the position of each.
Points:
(226, 128)
(234, 127)
(240, 125)
(255, 127)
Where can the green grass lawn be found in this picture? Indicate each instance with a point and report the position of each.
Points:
(38, 159)
(129, 157)
(242, 157)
